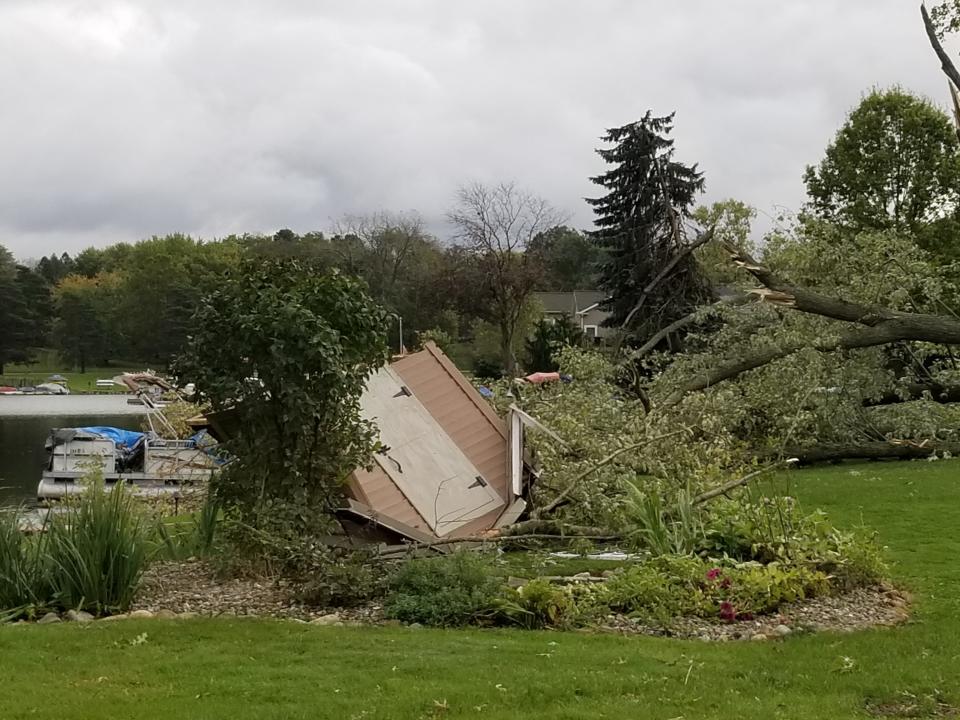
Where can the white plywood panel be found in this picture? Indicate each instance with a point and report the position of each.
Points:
(516, 454)
(423, 461)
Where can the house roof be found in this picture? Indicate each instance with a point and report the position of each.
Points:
(445, 472)
(570, 303)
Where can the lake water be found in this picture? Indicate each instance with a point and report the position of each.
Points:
(25, 422)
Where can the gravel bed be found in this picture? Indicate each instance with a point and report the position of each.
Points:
(193, 588)
(881, 606)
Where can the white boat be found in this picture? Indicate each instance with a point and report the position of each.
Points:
(145, 462)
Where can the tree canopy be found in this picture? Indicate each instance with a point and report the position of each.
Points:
(287, 350)
(497, 225)
(569, 260)
(894, 165)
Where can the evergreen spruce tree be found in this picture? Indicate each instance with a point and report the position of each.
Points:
(641, 225)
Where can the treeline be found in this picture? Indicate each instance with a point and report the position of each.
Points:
(134, 303)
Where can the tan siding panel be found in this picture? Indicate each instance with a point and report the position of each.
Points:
(478, 526)
(465, 417)
(458, 411)
(384, 497)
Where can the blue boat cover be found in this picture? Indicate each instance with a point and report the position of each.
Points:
(126, 439)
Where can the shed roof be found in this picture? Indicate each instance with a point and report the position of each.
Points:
(437, 407)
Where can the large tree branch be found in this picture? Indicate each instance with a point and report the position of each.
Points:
(546, 510)
(778, 291)
(949, 69)
(891, 325)
(676, 325)
(703, 239)
(861, 338)
(882, 325)
(734, 484)
(938, 392)
(882, 450)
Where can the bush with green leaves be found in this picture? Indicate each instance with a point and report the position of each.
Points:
(542, 604)
(343, 579)
(772, 529)
(284, 349)
(674, 586)
(663, 588)
(446, 591)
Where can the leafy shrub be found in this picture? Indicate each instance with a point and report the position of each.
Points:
(538, 604)
(662, 588)
(445, 591)
(755, 589)
(97, 549)
(851, 560)
(668, 587)
(311, 339)
(322, 575)
(541, 604)
(344, 580)
(770, 530)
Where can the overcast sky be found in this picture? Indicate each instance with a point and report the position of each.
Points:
(121, 120)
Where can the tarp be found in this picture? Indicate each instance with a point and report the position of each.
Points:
(126, 439)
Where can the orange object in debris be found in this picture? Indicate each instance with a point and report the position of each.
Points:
(541, 377)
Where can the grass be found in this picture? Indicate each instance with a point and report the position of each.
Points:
(48, 363)
(264, 669)
(78, 382)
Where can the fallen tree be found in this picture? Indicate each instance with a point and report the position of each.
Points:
(889, 450)
(869, 325)
(937, 392)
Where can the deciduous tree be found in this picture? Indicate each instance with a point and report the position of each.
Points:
(894, 165)
(287, 349)
(83, 329)
(570, 261)
(498, 223)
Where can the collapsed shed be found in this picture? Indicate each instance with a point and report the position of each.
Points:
(448, 466)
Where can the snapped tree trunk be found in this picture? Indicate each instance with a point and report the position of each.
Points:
(506, 351)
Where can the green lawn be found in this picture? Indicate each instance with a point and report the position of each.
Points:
(78, 382)
(263, 669)
(47, 362)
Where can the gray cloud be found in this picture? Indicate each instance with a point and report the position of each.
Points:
(126, 119)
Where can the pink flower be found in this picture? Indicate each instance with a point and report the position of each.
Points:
(714, 573)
